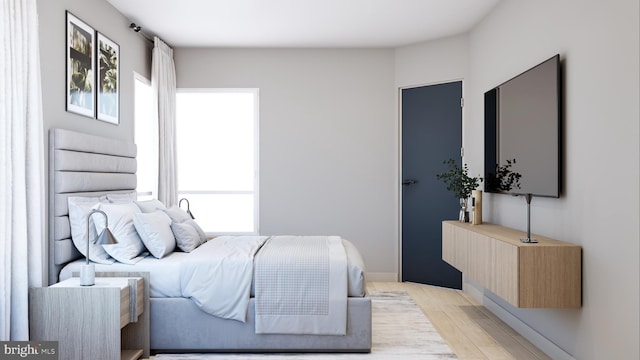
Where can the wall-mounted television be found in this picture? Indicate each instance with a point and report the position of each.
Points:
(523, 123)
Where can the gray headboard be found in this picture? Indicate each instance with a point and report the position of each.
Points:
(82, 165)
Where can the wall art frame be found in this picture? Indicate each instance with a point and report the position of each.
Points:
(80, 66)
(108, 80)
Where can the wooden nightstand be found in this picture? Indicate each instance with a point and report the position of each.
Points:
(109, 320)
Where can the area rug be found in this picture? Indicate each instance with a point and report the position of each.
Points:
(400, 331)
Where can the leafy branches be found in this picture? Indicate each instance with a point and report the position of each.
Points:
(458, 180)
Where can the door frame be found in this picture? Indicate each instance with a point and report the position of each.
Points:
(399, 175)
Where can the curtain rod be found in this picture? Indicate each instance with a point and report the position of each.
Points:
(138, 29)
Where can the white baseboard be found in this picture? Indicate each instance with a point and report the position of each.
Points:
(473, 289)
(380, 276)
(545, 345)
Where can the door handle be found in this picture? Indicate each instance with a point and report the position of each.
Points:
(409, 182)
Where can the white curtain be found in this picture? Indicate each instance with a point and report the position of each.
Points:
(22, 198)
(163, 83)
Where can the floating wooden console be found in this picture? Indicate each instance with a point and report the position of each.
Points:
(543, 275)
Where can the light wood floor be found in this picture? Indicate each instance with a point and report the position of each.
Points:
(469, 328)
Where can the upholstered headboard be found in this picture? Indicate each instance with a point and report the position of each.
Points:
(82, 165)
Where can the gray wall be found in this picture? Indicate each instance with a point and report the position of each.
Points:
(327, 139)
(135, 55)
(599, 44)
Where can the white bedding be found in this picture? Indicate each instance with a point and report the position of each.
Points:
(165, 279)
(219, 277)
(164, 273)
(219, 273)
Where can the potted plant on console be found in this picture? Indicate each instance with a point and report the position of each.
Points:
(461, 184)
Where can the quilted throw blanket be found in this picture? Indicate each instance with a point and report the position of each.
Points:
(301, 286)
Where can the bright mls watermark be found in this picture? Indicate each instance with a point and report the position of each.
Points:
(45, 350)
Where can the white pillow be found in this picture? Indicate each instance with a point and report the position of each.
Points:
(120, 216)
(155, 231)
(123, 253)
(149, 206)
(201, 234)
(79, 208)
(187, 237)
(120, 198)
(177, 214)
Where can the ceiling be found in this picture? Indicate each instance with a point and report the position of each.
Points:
(302, 23)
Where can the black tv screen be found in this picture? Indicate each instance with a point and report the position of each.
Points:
(523, 123)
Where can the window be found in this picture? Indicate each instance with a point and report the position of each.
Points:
(146, 138)
(217, 146)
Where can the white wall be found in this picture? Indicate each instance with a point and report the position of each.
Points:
(599, 43)
(326, 139)
(437, 61)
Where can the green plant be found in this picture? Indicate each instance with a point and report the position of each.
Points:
(505, 178)
(458, 180)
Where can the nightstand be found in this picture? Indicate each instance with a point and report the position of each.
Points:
(109, 320)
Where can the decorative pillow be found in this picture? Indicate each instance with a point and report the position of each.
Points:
(177, 214)
(201, 234)
(187, 237)
(149, 206)
(121, 225)
(155, 231)
(79, 208)
(123, 253)
(120, 198)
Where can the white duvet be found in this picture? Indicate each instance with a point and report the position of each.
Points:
(165, 278)
(218, 275)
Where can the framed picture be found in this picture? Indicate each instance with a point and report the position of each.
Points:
(80, 67)
(108, 80)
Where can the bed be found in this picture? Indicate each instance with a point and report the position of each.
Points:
(82, 165)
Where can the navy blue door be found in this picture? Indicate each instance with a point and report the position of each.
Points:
(431, 134)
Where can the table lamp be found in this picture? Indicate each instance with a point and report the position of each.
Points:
(188, 211)
(88, 270)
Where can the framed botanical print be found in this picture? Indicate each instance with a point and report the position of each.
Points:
(80, 67)
(107, 81)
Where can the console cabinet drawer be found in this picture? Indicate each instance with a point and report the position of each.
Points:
(543, 275)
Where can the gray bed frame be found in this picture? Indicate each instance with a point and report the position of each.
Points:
(88, 165)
